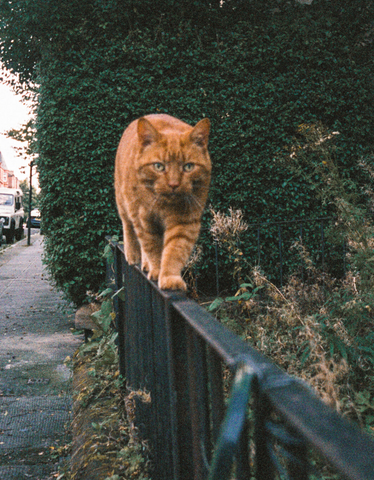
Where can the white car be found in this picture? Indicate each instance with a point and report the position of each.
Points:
(11, 213)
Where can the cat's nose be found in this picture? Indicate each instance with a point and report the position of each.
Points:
(174, 185)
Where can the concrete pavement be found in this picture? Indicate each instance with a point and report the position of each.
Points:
(35, 339)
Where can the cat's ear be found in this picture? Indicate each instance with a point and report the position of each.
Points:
(146, 132)
(200, 133)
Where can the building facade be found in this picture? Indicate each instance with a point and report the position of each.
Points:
(7, 177)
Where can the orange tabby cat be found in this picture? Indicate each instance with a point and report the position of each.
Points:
(162, 177)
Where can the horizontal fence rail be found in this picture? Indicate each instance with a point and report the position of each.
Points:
(264, 426)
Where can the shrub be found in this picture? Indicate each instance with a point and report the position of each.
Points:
(257, 71)
(319, 327)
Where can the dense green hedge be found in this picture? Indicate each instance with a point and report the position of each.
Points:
(257, 69)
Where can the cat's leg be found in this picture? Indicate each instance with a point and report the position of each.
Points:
(132, 247)
(145, 263)
(151, 247)
(178, 244)
(151, 242)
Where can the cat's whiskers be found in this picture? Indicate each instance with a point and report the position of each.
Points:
(196, 201)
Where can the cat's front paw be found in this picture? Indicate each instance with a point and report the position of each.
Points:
(153, 273)
(145, 265)
(172, 282)
(132, 258)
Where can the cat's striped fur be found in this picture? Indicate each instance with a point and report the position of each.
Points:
(162, 177)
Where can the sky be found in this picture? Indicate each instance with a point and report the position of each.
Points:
(13, 114)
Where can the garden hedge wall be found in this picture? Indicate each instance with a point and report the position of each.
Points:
(257, 69)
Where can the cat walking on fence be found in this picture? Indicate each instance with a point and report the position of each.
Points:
(162, 177)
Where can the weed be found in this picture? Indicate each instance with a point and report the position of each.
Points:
(318, 328)
(189, 273)
(105, 437)
(226, 231)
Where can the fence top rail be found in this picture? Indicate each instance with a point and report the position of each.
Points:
(330, 434)
(343, 444)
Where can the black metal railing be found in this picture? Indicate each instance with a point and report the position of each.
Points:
(266, 426)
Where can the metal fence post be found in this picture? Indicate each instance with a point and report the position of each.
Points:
(297, 462)
(233, 425)
(198, 392)
(263, 461)
(119, 309)
(182, 403)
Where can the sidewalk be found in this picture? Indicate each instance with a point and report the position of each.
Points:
(35, 339)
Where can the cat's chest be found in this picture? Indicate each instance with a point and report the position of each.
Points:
(155, 224)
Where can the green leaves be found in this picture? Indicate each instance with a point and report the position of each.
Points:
(241, 296)
(257, 74)
(215, 304)
(103, 317)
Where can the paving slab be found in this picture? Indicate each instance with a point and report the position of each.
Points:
(35, 339)
(24, 472)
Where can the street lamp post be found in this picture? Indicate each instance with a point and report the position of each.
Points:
(30, 200)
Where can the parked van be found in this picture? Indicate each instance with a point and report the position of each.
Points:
(11, 213)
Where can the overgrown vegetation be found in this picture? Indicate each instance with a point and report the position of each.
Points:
(106, 443)
(257, 69)
(319, 328)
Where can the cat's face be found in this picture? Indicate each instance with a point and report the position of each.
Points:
(175, 167)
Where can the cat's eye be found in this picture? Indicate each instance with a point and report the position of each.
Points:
(159, 167)
(188, 167)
